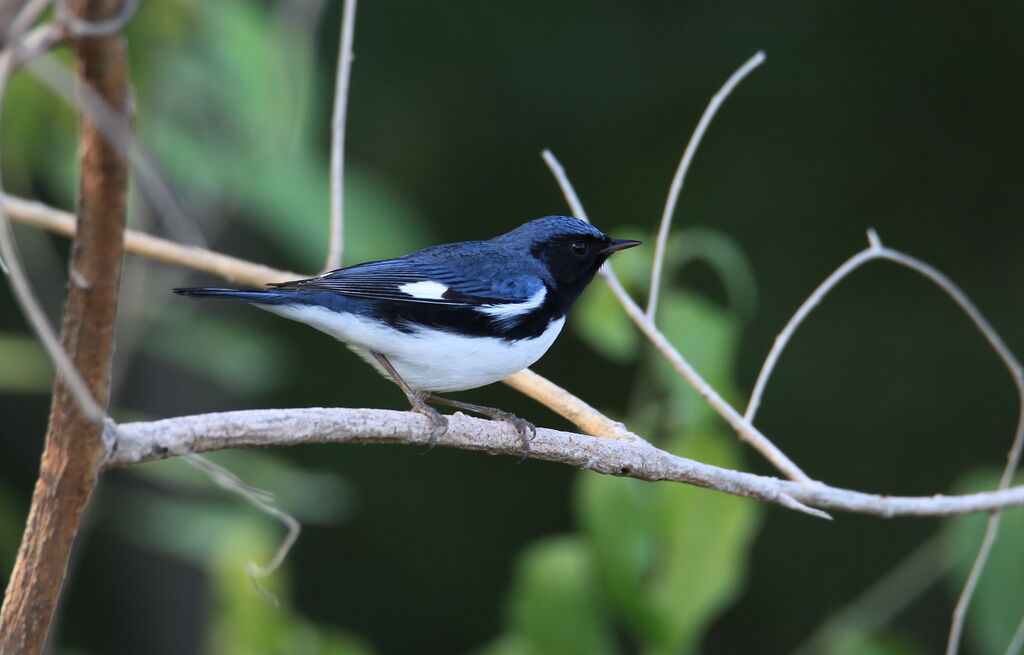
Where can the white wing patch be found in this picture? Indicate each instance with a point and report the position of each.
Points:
(512, 310)
(424, 290)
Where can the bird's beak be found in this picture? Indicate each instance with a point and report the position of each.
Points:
(619, 244)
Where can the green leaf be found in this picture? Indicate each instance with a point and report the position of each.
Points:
(554, 607)
(669, 556)
(703, 542)
(706, 335)
(723, 255)
(995, 612)
(616, 515)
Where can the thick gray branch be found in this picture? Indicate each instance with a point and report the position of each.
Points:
(135, 443)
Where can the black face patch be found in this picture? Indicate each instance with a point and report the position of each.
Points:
(573, 260)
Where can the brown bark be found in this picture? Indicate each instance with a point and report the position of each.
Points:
(74, 448)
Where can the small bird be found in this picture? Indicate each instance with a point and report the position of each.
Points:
(450, 317)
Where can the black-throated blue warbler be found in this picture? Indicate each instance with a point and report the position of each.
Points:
(450, 317)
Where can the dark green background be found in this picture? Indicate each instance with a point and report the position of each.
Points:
(905, 117)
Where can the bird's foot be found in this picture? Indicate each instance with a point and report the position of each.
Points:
(527, 431)
(439, 424)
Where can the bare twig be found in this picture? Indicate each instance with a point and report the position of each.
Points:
(794, 322)
(336, 241)
(877, 250)
(571, 199)
(262, 500)
(743, 428)
(143, 442)
(27, 15)
(963, 602)
(1017, 642)
(680, 176)
(746, 431)
(230, 268)
(94, 28)
(1013, 455)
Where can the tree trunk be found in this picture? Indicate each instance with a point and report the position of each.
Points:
(74, 448)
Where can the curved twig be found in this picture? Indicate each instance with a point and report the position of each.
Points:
(113, 24)
(336, 237)
(876, 250)
(680, 176)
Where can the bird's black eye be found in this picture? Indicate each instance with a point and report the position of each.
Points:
(579, 247)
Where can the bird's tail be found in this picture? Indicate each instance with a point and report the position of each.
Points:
(257, 296)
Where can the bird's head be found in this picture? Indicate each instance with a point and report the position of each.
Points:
(570, 249)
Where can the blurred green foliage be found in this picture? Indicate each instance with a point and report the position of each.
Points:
(254, 144)
(26, 368)
(223, 102)
(555, 606)
(244, 623)
(237, 355)
(219, 535)
(882, 644)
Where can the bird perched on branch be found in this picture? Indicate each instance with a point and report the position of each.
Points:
(450, 317)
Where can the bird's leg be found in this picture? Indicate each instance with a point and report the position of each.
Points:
(416, 399)
(527, 431)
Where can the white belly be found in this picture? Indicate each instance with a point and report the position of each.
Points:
(428, 360)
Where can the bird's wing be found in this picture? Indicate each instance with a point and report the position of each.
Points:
(403, 280)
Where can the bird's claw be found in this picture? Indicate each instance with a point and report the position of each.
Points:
(438, 424)
(527, 431)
